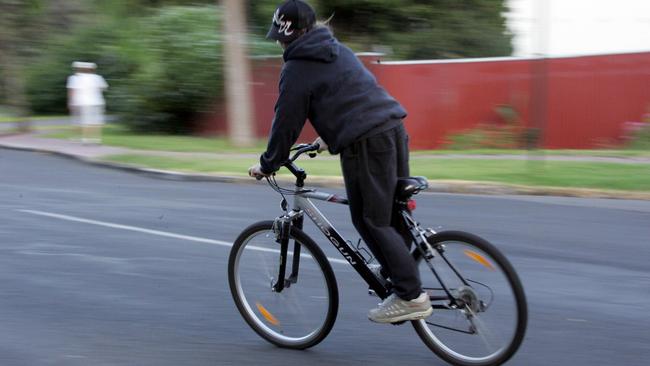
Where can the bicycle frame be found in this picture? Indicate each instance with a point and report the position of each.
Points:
(303, 204)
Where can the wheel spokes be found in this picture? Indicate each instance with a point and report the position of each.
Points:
(476, 314)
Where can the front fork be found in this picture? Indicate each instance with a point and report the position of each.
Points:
(282, 228)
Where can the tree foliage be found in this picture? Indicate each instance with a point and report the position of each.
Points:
(163, 66)
(411, 29)
(17, 37)
(162, 58)
(27, 26)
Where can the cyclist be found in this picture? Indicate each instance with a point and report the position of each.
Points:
(323, 81)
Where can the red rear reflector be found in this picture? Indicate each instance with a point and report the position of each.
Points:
(411, 205)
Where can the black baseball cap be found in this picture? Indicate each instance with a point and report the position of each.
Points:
(289, 18)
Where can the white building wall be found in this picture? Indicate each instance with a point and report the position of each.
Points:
(579, 27)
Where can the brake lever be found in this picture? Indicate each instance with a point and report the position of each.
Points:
(298, 147)
(303, 148)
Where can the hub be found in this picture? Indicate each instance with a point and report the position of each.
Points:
(467, 297)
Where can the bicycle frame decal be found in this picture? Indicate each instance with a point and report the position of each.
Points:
(328, 230)
(303, 203)
(338, 199)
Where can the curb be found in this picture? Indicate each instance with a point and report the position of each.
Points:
(435, 186)
(490, 188)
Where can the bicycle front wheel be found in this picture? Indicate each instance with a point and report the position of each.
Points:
(303, 313)
(484, 320)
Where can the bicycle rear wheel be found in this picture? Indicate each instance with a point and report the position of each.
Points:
(488, 324)
(303, 313)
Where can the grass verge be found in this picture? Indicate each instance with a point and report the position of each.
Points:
(115, 135)
(539, 153)
(12, 119)
(595, 175)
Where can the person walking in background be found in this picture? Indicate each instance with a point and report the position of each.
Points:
(86, 101)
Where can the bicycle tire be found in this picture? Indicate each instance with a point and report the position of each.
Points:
(246, 309)
(442, 350)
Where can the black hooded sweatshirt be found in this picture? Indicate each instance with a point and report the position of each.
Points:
(323, 81)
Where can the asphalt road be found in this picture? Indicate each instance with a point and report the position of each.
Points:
(103, 267)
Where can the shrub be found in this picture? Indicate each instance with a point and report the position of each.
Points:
(638, 134)
(179, 73)
(507, 133)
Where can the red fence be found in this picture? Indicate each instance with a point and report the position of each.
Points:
(577, 102)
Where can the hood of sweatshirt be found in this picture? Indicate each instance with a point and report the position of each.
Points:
(317, 45)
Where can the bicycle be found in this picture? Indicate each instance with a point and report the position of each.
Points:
(294, 302)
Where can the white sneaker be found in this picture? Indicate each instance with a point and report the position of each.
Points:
(393, 309)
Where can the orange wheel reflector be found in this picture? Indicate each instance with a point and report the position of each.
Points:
(267, 315)
(479, 258)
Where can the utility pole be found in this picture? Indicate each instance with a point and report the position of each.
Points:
(237, 74)
(540, 69)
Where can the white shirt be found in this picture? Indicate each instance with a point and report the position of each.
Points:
(87, 89)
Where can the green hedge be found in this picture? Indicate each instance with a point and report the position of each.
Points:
(180, 70)
(641, 138)
(409, 29)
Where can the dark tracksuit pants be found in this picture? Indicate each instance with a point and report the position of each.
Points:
(371, 167)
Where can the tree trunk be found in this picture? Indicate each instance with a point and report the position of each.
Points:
(237, 75)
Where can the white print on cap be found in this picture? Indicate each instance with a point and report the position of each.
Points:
(284, 24)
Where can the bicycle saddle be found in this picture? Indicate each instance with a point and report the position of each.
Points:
(407, 187)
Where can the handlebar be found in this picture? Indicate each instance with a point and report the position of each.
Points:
(295, 170)
(301, 149)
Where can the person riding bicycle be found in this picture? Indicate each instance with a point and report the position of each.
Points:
(322, 80)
